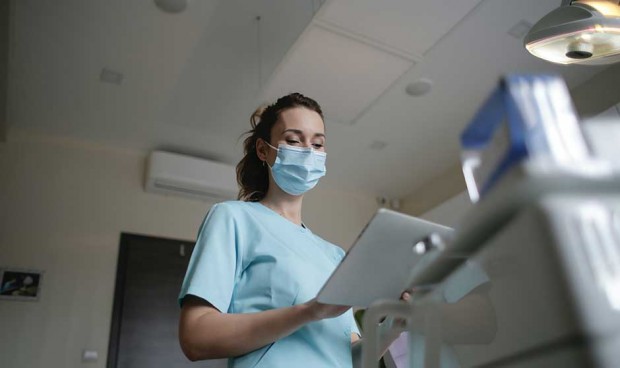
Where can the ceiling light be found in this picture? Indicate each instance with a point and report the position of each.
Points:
(378, 145)
(111, 76)
(578, 32)
(171, 6)
(419, 87)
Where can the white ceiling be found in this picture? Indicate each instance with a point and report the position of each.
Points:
(191, 80)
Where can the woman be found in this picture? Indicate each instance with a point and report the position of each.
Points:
(249, 290)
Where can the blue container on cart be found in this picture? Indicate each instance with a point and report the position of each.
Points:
(527, 117)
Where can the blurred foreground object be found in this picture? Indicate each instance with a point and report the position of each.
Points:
(531, 277)
(529, 127)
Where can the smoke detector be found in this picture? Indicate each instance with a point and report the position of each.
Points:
(171, 6)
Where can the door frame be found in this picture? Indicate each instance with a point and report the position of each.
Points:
(119, 291)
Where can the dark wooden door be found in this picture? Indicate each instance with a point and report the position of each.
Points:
(146, 313)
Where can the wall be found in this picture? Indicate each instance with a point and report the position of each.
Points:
(450, 212)
(599, 93)
(63, 205)
(5, 13)
(423, 199)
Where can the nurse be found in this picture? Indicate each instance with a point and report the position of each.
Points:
(249, 288)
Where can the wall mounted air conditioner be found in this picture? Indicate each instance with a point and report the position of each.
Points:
(175, 174)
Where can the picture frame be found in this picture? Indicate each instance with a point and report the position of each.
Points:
(20, 284)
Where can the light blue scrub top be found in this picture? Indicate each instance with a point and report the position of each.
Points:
(249, 259)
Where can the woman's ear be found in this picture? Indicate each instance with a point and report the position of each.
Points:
(261, 149)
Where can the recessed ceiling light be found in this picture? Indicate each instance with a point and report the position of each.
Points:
(171, 6)
(419, 87)
(378, 145)
(520, 29)
(111, 76)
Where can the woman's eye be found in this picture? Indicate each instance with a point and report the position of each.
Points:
(317, 145)
(290, 141)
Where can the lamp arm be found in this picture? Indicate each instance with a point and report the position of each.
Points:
(568, 2)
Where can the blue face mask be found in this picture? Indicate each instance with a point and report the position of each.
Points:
(297, 169)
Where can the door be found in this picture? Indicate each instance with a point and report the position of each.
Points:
(144, 330)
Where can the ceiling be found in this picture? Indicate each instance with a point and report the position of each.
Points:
(191, 80)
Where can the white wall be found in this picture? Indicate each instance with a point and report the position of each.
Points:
(450, 212)
(63, 205)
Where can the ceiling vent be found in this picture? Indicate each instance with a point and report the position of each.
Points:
(174, 174)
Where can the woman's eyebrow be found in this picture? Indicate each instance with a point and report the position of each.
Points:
(297, 131)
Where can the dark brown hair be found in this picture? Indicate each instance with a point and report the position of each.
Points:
(252, 173)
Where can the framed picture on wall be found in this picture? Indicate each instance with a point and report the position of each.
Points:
(20, 284)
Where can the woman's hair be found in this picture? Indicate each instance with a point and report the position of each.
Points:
(252, 173)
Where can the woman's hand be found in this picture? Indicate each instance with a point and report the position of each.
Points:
(206, 333)
(400, 324)
(406, 295)
(321, 311)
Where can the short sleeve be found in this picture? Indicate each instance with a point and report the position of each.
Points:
(212, 269)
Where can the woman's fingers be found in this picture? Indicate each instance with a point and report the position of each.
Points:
(322, 311)
(400, 323)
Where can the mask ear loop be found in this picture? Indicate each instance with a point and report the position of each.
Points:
(271, 146)
(265, 161)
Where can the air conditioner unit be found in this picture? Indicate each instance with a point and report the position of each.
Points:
(175, 174)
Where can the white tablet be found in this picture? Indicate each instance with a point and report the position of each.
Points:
(379, 263)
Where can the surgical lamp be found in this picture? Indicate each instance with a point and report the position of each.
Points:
(578, 32)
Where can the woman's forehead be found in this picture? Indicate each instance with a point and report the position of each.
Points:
(300, 118)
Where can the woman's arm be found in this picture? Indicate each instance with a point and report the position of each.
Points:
(206, 333)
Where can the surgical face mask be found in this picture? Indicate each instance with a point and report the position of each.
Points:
(297, 169)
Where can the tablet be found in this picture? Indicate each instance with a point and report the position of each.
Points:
(378, 264)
